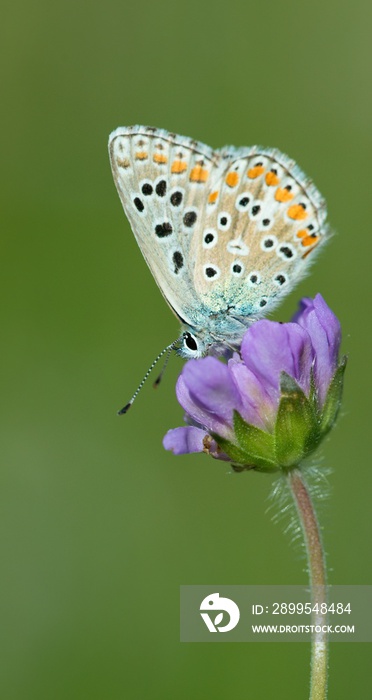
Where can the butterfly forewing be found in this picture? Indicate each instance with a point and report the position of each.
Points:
(163, 182)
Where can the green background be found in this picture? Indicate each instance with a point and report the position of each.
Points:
(99, 525)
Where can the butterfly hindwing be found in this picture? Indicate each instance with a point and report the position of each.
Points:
(263, 220)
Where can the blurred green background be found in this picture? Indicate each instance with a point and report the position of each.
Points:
(99, 525)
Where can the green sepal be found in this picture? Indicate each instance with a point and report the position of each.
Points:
(235, 453)
(313, 393)
(255, 448)
(333, 399)
(257, 445)
(296, 430)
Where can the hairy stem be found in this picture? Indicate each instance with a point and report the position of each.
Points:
(315, 555)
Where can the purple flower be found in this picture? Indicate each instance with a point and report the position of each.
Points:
(269, 406)
(324, 330)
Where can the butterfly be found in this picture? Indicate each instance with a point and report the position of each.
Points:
(226, 233)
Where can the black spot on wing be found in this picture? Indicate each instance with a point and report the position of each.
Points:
(163, 230)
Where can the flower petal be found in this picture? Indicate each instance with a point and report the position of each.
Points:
(268, 348)
(198, 414)
(208, 393)
(184, 440)
(258, 408)
(324, 330)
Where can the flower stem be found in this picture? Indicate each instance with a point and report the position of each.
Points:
(315, 555)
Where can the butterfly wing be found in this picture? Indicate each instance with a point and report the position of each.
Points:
(163, 182)
(264, 222)
(225, 233)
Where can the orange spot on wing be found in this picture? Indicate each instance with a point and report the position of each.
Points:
(271, 179)
(297, 212)
(212, 197)
(302, 233)
(256, 171)
(141, 155)
(282, 195)
(160, 158)
(178, 166)
(199, 174)
(232, 179)
(309, 240)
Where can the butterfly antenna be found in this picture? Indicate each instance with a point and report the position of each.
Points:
(160, 377)
(168, 349)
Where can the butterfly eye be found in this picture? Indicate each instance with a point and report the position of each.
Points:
(189, 342)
